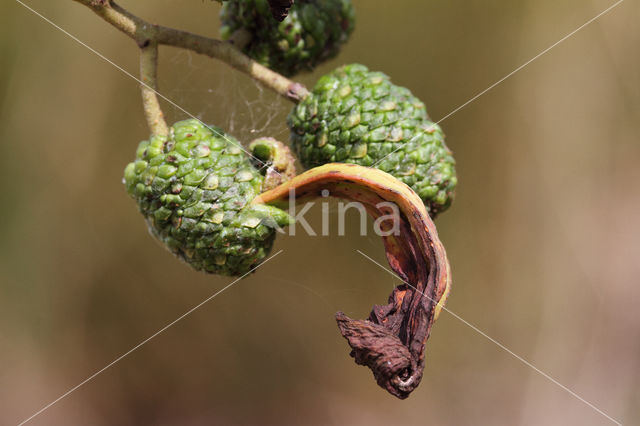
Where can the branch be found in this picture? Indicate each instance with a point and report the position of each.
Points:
(145, 33)
(149, 86)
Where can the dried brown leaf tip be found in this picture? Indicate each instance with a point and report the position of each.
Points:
(391, 342)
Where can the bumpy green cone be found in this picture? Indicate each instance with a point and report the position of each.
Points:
(357, 116)
(193, 188)
(311, 34)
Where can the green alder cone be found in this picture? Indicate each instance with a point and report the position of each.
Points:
(312, 33)
(357, 116)
(193, 187)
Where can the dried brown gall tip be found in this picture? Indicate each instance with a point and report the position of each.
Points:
(391, 342)
(280, 9)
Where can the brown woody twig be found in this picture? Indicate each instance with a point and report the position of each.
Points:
(145, 33)
(148, 77)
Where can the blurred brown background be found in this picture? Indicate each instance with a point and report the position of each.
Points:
(543, 238)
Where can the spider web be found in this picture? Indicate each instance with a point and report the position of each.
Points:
(219, 95)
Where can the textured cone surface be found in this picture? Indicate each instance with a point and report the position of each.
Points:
(312, 33)
(193, 188)
(357, 116)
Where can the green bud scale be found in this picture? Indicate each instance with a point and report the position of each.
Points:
(312, 33)
(194, 187)
(357, 116)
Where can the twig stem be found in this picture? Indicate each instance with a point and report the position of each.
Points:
(145, 33)
(149, 87)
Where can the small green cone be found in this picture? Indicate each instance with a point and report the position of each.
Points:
(193, 188)
(312, 33)
(357, 116)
